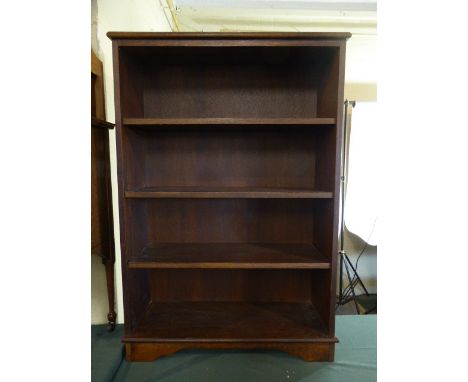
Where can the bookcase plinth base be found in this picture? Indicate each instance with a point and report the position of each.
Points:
(312, 352)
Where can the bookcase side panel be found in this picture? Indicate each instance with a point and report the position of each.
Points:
(328, 175)
(135, 285)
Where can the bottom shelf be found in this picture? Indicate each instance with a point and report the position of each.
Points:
(229, 322)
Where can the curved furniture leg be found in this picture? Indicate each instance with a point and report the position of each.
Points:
(111, 316)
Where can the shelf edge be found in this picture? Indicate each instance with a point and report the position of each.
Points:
(216, 265)
(228, 195)
(226, 121)
(100, 123)
(121, 35)
(129, 339)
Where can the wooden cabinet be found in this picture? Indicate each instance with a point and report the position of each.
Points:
(102, 223)
(228, 149)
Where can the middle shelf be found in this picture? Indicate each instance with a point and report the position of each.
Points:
(227, 192)
(291, 121)
(229, 256)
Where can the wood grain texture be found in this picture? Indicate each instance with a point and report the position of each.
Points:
(102, 222)
(230, 220)
(227, 121)
(228, 43)
(266, 158)
(238, 82)
(101, 124)
(226, 192)
(229, 256)
(225, 142)
(229, 322)
(229, 35)
(311, 352)
(98, 109)
(231, 285)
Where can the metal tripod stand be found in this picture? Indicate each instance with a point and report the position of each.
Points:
(346, 294)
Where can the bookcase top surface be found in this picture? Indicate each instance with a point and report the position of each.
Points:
(118, 35)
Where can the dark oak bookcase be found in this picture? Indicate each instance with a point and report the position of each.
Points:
(228, 151)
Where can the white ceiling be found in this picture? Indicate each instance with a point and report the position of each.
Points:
(337, 5)
(358, 17)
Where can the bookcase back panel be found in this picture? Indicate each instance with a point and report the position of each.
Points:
(222, 221)
(138, 296)
(231, 285)
(243, 82)
(229, 157)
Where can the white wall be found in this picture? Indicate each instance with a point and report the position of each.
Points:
(121, 15)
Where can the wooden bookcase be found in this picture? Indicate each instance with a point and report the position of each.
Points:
(228, 151)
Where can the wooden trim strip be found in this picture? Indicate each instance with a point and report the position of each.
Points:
(228, 35)
(130, 339)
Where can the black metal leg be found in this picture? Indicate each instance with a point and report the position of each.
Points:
(352, 290)
(347, 292)
(357, 276)
(340, 295)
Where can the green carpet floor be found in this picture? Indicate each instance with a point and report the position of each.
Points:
(355, 360)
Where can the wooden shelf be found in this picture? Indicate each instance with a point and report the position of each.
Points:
(226, 121)
(227, 192)
(100, 123)
(229, 322)
(229, 256)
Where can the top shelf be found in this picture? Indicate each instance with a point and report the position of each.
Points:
(227, 121)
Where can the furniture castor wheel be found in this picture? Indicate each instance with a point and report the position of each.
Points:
(111, 321)
(110, 326)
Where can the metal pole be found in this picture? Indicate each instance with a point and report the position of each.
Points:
(344, 164)
(343, 175)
